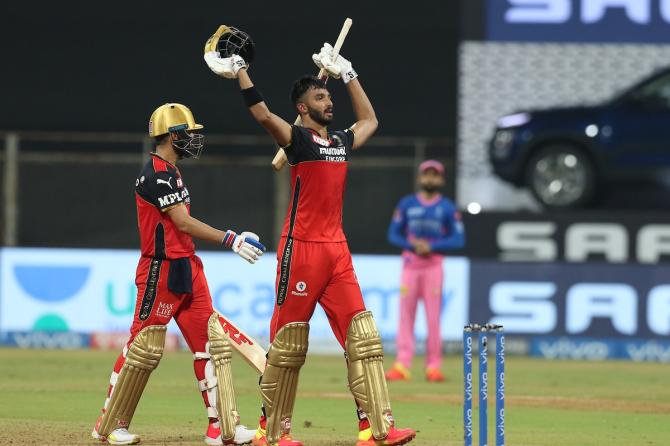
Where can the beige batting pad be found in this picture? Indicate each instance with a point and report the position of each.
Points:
(366, 373)
(280, 380)
(143, 356)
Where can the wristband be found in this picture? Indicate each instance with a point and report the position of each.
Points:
(349, 76)
(228, 239)
(252, 96)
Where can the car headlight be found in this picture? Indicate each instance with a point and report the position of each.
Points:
(502, 143)
(515, 120)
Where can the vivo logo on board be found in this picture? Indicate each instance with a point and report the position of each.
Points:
(579, 20)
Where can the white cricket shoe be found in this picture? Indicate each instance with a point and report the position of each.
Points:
(122, 436)
(242, 435)
(118, 437)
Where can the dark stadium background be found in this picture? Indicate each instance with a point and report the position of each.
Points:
(103, 67)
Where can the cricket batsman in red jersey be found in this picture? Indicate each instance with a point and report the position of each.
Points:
(314, 263)
(171, 283)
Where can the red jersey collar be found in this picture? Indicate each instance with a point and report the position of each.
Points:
(163, 159)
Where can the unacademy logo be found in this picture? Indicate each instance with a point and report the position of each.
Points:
(51, 283)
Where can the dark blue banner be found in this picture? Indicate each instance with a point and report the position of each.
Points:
(596, 300)
(638, 350)
(45, 339)
(579, 20)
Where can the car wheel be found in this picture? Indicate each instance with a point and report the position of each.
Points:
(561, 176)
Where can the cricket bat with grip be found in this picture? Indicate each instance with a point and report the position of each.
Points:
(246, 346)
(280, 159)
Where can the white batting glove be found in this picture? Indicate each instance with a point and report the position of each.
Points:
(246, 245)
(338, 67)
(228, 67)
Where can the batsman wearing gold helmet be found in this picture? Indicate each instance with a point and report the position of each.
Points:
(171, 283)
(314, 263)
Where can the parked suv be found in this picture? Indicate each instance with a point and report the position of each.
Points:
(568, 156)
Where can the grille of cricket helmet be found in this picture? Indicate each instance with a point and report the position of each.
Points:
(234, 41)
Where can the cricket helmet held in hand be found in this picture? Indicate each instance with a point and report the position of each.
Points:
(228, 40)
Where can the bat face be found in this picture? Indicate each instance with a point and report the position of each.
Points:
(246, 346)
(234, 333)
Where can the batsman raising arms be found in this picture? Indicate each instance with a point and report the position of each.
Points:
(314, 263)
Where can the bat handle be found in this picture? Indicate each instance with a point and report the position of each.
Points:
(343, 35)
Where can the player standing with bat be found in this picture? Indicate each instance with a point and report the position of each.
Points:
(171, 283)
(314, 263)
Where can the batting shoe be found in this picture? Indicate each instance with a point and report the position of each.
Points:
(395, 436)
(242, 435)
(434, 375)
(398, 373)
(117, 436)
(261, 440)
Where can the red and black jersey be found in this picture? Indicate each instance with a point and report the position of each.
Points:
(318, 175)
(158, 189)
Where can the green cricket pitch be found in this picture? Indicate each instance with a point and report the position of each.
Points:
(54, 398)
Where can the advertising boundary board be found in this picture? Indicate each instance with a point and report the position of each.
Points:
(87, 291)
(570, 236)
(596, 21)
(61, 298)
(596, 300)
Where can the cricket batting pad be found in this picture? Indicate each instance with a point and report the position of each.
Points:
(143, 356)
(366, 373)
(280, 379)
(220, 390)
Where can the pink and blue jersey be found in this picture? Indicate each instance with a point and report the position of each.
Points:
(436, 220)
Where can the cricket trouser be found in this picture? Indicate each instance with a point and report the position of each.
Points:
(416, 283)
(311, 272)
(307, 273)
(167, 289)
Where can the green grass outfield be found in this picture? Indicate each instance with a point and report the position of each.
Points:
(53, 398)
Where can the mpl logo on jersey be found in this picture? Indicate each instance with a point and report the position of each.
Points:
(173, 198)
(579, 20)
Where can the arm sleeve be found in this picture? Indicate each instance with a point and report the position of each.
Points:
(296, 140)
(455, 235)
(161, 190)
(396, 232)
(350, 135)
(294, 148)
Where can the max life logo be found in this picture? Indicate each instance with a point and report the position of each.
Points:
(579, 20)
(164, 310)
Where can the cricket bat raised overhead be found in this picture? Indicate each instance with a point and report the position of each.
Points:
(246, 346)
